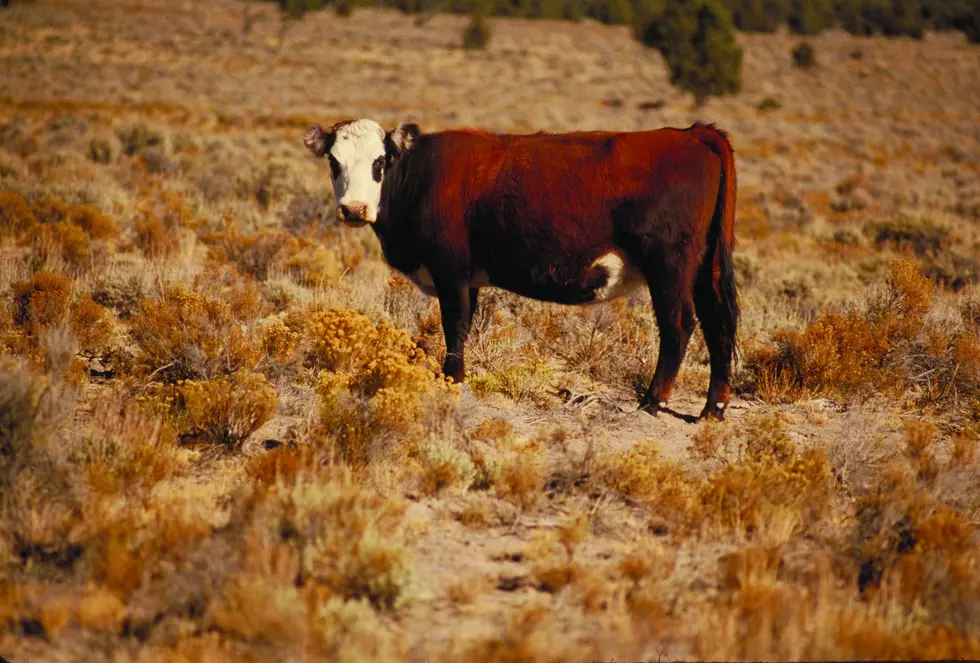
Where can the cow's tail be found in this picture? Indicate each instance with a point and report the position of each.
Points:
(721, 236)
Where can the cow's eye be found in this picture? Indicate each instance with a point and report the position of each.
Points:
(334, 166)
(377, 168)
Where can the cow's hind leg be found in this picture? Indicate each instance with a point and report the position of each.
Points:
(674, 309)
(720, 341)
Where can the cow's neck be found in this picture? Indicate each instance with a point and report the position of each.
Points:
(396, 244)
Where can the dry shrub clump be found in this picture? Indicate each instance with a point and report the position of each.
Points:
(160, 221)
(374, 384)
(77, 233)
(41, 302)
(891, 347)
(772, 489)
(642, 473)
(527, 381)
(761, 484)
(223, 411)
(187, 336)
(92, 326)
(347, 540)
(260, 253)
(123, 449)
(39, 510)
(39, 331)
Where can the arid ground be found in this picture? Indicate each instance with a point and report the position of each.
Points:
(221, 437)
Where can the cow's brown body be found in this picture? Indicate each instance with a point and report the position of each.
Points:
(573, 219)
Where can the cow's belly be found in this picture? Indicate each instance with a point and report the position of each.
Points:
(607, 277)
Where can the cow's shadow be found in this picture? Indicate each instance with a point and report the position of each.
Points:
(686, 418)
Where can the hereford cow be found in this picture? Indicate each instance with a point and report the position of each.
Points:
(568, 218)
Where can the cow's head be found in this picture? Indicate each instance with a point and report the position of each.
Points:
(359, 152)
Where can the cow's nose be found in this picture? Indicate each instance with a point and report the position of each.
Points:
(353, 212)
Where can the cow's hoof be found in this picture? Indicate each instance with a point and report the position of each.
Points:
(651, 407)
(714, 411)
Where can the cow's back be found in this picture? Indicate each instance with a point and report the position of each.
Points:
(535, 211)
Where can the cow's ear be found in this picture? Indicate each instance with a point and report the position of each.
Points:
(401, 139)
(319, 141)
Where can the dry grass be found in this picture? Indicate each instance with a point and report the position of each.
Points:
(223, 436)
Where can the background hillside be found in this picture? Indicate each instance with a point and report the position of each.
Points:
(221, 437)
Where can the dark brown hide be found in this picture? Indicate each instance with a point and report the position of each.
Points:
(533, 214)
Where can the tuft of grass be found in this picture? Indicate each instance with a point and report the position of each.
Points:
(529, 381)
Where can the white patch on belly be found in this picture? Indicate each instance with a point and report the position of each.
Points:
(623, 277)
(422, 277)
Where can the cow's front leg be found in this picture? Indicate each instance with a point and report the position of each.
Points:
(456, 302)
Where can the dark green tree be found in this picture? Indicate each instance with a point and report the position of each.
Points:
(888, 17)
(804, 56)
(850, 16)
(900, 18)
(811, 17)
(759, 15)
(476, 35)
(697, 39)
(291, 11)
(968, 21)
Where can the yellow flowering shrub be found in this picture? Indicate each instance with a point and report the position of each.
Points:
(279, 341)
(375, 384)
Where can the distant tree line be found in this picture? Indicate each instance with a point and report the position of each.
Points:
(909, 18)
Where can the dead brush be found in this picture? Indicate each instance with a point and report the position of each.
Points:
(93, 327)
(646, 571)
(31, 408)
(349, 538)
(643, 474)
(17, 215)
(39, 314)
(885, 350)
(123, 450)
(160, 220)
(223, 411)
(405, 304)
(443, 463)
(494, 336)
(771, 482)
(78, 233)
(254, 254)
(609, 343)
(913, 541)
(184, 335)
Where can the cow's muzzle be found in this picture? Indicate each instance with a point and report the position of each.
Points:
(353, 214)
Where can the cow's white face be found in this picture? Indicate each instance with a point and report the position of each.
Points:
(359, 153)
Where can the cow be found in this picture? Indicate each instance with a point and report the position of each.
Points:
(574, 218)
